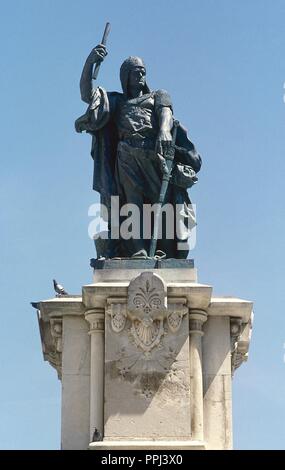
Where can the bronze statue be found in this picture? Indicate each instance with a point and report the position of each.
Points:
(132, 140)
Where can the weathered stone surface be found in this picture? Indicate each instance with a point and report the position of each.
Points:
(216, 346)
(75, 383)
(147, 382)
(75, 412)
(217, 383)
(147, 393)
(76, 346)
(218, 411)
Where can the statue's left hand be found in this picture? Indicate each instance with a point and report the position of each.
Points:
(162, 164)
(163, 142)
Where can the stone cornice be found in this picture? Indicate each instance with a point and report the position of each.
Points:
(94, 296)
(231, 307)
(199, 295)
(61, 306)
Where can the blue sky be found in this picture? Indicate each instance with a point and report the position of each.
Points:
(222, 61)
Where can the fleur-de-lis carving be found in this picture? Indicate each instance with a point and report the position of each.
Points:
(147, 307)
(147, 299)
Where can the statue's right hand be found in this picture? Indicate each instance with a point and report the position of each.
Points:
(97, 54)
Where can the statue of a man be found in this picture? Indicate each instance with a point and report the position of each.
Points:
(131, 132)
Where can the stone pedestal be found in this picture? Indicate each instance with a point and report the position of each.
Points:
(146, 357)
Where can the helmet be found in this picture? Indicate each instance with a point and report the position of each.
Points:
(128, 64)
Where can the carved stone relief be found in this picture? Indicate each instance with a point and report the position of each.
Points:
(118, 314)
(147, 373)
(147, 318)
(240, 340)
(51, 337)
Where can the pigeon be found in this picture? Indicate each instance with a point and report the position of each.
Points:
(97, 436)
(35, 305)
(59, 289)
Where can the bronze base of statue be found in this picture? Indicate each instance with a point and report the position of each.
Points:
(141, 263)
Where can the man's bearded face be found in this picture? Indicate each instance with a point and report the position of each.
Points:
(137, 78)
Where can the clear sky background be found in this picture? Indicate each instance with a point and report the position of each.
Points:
(222, 61)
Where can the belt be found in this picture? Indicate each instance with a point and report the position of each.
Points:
(140, 143)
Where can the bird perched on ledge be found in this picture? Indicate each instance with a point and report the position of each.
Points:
(59, 289)
(97, 436)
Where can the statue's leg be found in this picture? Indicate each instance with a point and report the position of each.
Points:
(129, 181)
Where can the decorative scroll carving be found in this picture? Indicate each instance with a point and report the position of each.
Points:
(56, 332)
(51, 338)
(240, 340)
